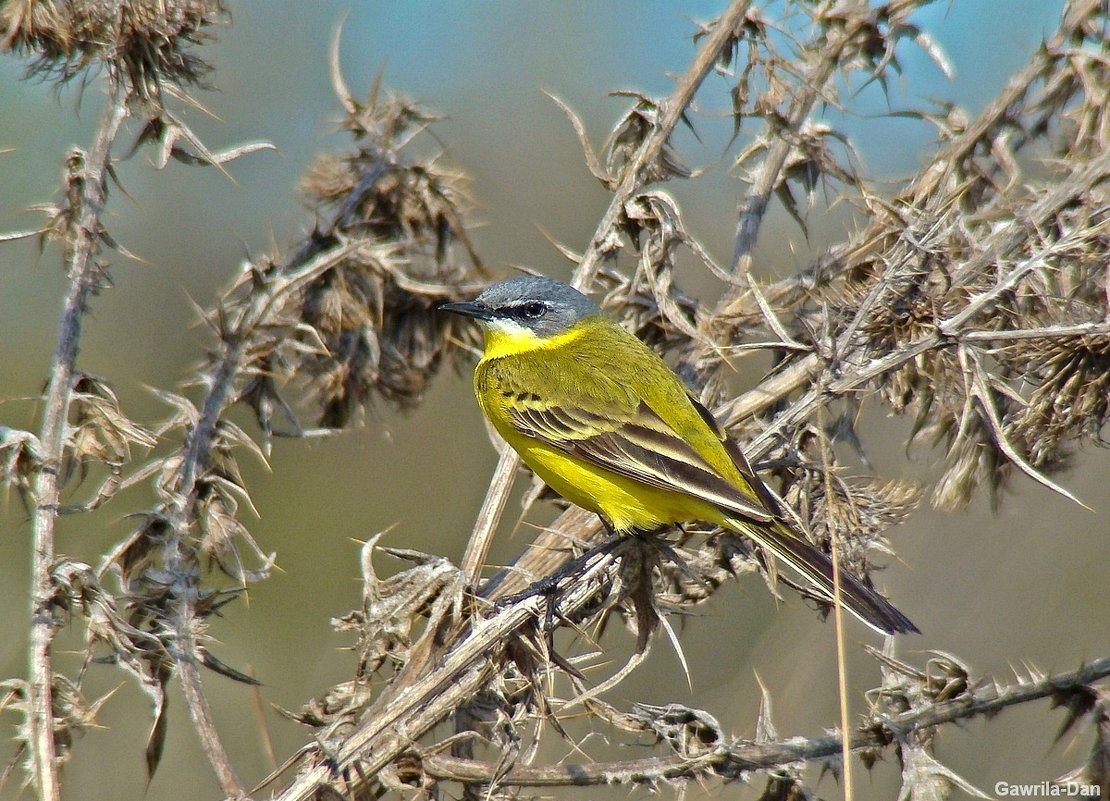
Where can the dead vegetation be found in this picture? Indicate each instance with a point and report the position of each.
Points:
(976, 300)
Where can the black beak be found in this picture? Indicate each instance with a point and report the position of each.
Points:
(468, 309)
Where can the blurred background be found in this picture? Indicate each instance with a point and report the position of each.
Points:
(1003, 591)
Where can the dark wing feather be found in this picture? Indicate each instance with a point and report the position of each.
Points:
(641, 447)
(737, 456)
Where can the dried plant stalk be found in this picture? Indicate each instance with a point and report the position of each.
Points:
(90, 177)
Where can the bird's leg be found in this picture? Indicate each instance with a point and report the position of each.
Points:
(668, 552)
(549, 585)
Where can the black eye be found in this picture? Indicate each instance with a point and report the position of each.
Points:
(532, 310)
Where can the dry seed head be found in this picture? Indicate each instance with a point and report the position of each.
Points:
(972, 460)
(858, 513)
(909, 312)
(375, 312)
(145, 42)
(1071, 400)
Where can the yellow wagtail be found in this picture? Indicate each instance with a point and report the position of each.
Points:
(607, 424)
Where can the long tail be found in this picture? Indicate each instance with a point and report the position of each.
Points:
(813, 564)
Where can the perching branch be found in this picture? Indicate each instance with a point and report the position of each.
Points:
(435, 683)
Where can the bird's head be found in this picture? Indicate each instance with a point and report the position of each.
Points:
(529, 307)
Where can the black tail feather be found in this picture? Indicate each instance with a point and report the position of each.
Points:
(816, 567)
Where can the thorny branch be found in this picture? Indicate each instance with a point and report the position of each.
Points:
(839, 33)
(87, 181)
(184, 511)
(732, 759)
(1004, 244)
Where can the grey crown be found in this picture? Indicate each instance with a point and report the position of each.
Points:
(518, 299)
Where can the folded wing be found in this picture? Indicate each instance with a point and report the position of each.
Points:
(639, 446)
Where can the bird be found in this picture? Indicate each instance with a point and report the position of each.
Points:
(603, 420)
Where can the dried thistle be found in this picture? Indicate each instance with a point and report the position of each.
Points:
(100, 434)
(1071, 399)
(858, 513)
(147, 43)
(629, 134)
(374, 313)
(21, 462)
(1089, 707)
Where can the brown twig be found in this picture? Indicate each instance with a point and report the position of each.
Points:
(82, 244)
(672, 110)
(769, 174)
